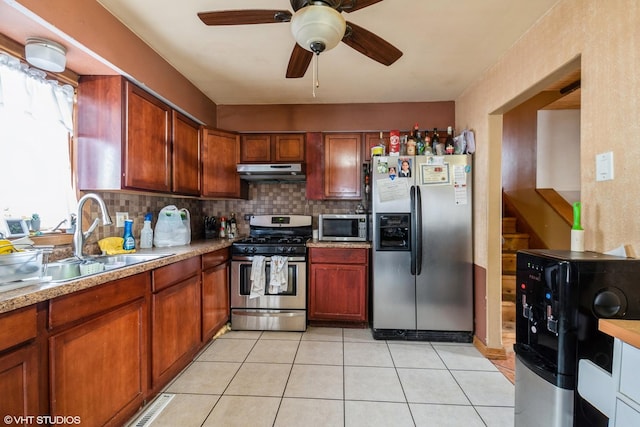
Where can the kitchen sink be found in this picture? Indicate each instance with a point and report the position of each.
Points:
(72, 268)
(115, 261)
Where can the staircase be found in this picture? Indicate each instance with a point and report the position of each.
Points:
(511, 243)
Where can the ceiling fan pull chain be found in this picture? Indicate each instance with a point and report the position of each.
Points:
(316, 81)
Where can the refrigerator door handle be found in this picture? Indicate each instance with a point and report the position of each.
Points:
(418, 233)
(413, 226)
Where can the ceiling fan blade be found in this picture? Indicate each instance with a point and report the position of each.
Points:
(299, 62)
(242, 17)
(357, 5)
(370, 45)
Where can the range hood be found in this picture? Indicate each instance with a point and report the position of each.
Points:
(271, 171)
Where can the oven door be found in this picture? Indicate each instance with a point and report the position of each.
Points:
(294, 297)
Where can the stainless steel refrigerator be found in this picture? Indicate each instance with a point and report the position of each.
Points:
(422, 262)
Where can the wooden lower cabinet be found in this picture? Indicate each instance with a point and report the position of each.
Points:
(338, 284)
(175, 319)
(215, 292)
(98, 361)
(19, 380)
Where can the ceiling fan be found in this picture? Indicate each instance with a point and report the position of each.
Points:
(317, 26)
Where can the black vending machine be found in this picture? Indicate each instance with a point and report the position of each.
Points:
(560, 295)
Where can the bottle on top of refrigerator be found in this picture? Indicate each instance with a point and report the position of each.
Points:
(435, 143)
(427, 143)
(146, 234)
(448, 143)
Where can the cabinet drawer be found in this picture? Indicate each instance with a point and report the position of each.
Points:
(629, 376)
(168, 275)
(338, 256)
(79, 305)
(17, 327)
(215, 258)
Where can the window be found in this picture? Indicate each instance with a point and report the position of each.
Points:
(36, 126)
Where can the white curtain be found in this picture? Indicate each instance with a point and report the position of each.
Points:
(36, 124)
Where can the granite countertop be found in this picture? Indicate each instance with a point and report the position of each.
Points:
(344, 245)
(625, 330)
(26, 295)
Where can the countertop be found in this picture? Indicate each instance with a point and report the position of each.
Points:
(625, 330)
(24, 296)
(27, 295)
(345, 245)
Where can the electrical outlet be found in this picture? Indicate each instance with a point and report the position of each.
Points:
(120, 218)
(247, 217)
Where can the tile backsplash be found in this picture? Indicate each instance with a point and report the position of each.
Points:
(264, 198)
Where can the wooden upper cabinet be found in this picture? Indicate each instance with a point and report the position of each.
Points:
(186, 155)
(272, 148)
(288, 148)
(342, 165)
(129, 139)
(220, 154)
(147, 146)
(255, 148)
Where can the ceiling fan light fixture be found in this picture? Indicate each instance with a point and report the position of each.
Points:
(318, 28)
(45, 54)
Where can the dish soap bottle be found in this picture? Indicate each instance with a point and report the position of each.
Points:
(129, 241)
(146, 235)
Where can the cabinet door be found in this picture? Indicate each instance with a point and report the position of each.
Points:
(255, 148)
(220, 154)
(98, 368)
(186, 155)
(215, 299)
(147, 152)
(175, 333)
(337, 292)
(19, 383)
(342, 166)
(288, 148)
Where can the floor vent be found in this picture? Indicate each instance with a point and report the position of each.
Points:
(153, 410)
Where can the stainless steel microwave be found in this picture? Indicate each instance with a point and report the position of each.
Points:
(343, 228)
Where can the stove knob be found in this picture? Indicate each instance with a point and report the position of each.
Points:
(254, 250)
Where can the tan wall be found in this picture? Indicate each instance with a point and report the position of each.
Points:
(89, 24)
(606, 36)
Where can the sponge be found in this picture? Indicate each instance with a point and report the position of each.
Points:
(113, 246)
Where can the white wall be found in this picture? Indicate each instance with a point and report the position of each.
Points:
(558, 152)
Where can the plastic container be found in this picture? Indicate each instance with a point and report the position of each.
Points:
(20, 265)
(146, 235)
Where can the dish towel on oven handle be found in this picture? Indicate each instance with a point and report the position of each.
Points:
(279, 274)
(258, 277)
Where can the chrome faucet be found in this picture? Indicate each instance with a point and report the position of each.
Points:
(78, 236)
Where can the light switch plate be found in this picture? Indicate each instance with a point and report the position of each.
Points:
(121, 217)
(604, 166)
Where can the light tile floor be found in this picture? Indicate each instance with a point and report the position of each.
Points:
(337, 377)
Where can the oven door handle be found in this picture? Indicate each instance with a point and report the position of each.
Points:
(267, 259)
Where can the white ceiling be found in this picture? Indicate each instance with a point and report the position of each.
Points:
(447, 44)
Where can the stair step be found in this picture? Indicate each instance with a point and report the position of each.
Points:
(509, 225)
(515, 241)
(508, 311)
(508, 287)
(509, 262)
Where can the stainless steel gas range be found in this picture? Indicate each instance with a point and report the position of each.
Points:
(269, 274)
